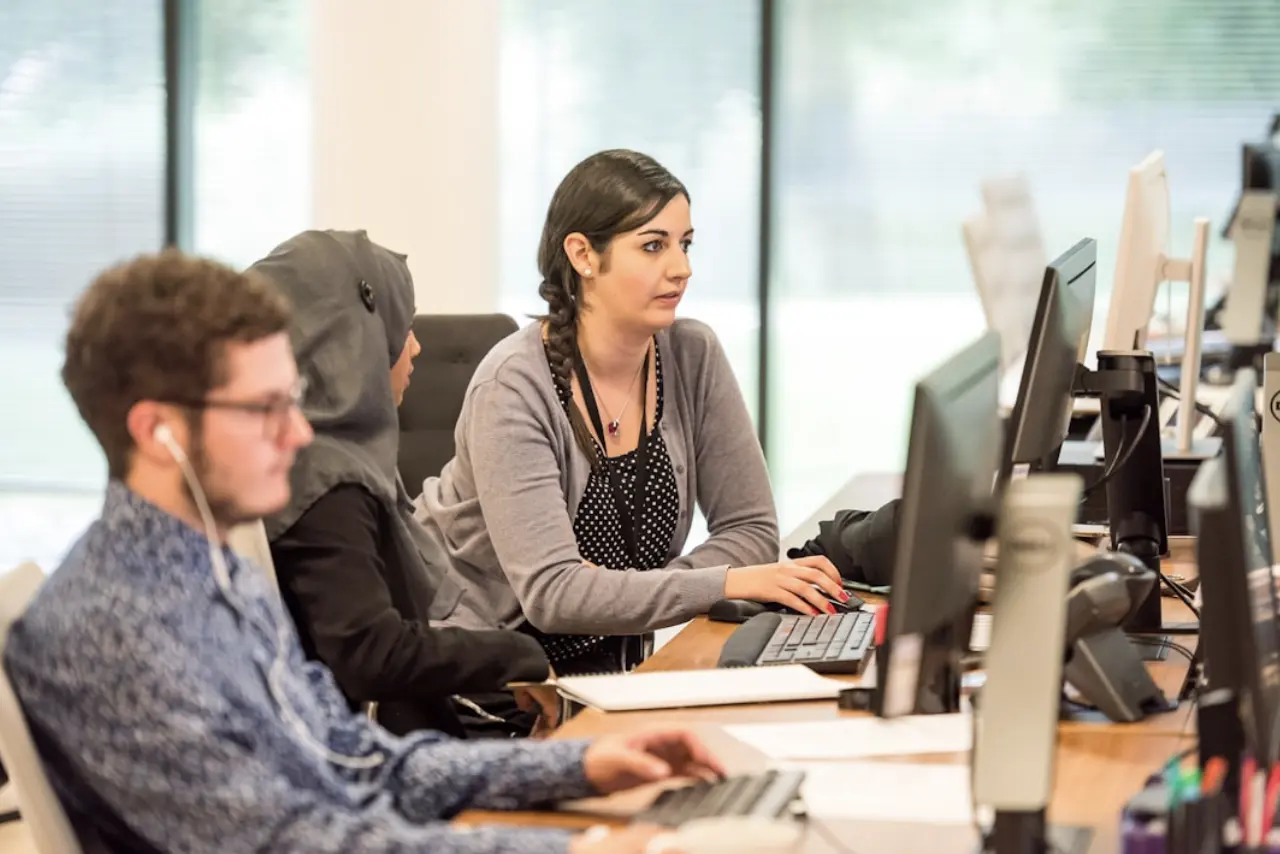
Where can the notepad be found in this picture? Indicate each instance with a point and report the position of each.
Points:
(858, 738)
(934, 794)
(626, 692)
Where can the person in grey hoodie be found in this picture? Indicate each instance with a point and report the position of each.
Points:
(360, 579)
(586, 438)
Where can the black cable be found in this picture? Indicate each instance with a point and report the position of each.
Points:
(1164, 644)
(1122, 456)
(1174, 392)
(1180, 593)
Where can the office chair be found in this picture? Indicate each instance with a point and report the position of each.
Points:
(453, 346)
(41, 811)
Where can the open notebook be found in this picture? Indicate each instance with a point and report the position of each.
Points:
(624, 692)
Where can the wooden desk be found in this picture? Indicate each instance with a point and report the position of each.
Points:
(1094, 775)
(1098, 765)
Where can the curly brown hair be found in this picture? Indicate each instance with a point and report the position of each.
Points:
(156, 328)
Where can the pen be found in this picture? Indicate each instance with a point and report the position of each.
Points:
(1247, 768)
(1270, 801)
(1215, 773)
(1257, 803)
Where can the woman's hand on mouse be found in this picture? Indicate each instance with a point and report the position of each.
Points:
(803, 584)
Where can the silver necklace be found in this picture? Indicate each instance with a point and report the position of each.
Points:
(612, 427)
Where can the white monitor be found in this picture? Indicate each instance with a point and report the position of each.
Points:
(1252, 229)
(1144, 238)
(1143, 262)
(1007, 257)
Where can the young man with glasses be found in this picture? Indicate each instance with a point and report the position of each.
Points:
(163, 682)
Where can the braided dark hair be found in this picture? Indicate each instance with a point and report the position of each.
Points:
(608, 194)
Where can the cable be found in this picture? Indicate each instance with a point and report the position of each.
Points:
(1181, 594)
(276, 673)
(1122, 457)
(1174, 392)
(1164, 644)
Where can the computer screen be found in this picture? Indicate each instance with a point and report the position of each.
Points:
(1261, 166)
(1144, 242)
(1261, 171)
(947, 501)
(1059, 341)
(1238, 619)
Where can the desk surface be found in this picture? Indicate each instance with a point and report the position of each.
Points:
(1098, 765)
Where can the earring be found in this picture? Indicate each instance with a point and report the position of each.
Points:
(587, 272)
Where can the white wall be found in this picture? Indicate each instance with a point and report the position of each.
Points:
(404, 136)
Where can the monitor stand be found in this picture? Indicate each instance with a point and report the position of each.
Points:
(1201, 449)
(1148, 621)
(1027, 832)
(1138, 493)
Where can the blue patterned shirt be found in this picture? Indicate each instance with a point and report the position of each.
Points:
(148, 693)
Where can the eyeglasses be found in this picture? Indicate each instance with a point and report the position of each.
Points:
(276, 411)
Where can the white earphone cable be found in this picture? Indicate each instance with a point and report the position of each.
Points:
(275, 674)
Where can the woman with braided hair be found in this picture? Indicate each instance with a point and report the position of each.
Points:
(586, 438)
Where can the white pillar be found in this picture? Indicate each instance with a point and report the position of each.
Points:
(405, 125)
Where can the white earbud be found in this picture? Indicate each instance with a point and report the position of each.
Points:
(164, 436)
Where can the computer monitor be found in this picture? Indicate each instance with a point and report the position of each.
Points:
(1007, 258)
(946, 515)
(1244, 314)
(1260, 169)
(1144, 240)
(1059, 342)
(1239, 628)
(1260, 166)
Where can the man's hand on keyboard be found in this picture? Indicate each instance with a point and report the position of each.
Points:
(790, 583)
(635, 839)
(618, 762)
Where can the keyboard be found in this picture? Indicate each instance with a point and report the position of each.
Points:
(825, 643)
(767, 795)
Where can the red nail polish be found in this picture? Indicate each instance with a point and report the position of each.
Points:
(831, 609)
(844, 597)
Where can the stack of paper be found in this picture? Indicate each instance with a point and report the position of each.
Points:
(626, 692)
(887, 791)
(858, 738)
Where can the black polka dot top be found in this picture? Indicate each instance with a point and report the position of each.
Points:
(598, 529)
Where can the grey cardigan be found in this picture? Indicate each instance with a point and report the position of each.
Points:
(503, 508)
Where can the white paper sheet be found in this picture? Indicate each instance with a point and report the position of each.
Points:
(858, 738)
(887, 791)
(681, 688)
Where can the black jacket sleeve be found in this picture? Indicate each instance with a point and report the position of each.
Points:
(336, 571)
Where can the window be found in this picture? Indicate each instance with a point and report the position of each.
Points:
(81, 186)
(889, 115)
(252, 133)
(675, 80)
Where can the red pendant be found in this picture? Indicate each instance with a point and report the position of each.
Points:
(613, 428)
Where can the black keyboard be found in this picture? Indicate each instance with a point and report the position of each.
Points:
(767, 795)
(826, 643)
